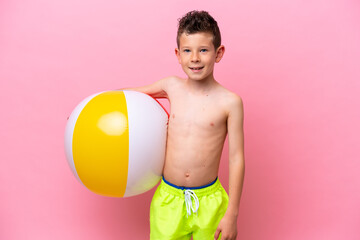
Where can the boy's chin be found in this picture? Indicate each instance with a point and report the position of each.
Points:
(196, 77)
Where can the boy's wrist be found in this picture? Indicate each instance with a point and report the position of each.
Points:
(233, 212)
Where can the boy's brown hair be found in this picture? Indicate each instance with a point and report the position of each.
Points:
(199, 21)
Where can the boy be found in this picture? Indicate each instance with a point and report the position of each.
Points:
(190, 201)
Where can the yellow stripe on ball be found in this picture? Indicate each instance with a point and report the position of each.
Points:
(101, 144)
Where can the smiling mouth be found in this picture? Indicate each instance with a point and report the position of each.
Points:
(197, 68)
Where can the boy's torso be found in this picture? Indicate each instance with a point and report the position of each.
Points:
(197, 130)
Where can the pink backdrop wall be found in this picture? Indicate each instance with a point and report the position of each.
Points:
(294, 63)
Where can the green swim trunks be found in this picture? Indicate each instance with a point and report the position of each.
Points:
(179, 212)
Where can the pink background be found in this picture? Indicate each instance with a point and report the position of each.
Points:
(294, 63)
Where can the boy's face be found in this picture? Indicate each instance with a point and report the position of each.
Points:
(197, 55)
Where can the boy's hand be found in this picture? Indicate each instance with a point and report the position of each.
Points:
(227, 227)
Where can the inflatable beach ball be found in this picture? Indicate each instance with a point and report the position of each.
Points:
(115, 142)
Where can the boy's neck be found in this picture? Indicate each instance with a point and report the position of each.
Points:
(201, 86)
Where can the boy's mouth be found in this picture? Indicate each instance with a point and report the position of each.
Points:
(196, 69)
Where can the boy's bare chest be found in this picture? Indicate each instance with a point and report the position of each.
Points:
(197, 113)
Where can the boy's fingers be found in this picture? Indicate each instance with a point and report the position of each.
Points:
(216, 236)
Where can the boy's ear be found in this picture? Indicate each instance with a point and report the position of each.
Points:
(177, 53)
(219, 53)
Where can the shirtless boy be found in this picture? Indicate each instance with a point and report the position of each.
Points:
(190, 200)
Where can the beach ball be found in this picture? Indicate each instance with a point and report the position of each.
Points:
(115, 142)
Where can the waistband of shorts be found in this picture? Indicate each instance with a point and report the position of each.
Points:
(199, 191)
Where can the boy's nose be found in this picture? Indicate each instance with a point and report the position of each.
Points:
(195, 57)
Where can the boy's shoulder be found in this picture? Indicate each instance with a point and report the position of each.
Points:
(173, 79)
(230, 100)
(170, 80)
(229, 95)
(173, 83)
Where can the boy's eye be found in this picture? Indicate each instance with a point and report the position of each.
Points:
(203, 50)
(186, 50)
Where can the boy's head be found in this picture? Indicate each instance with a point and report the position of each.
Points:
(199, 21)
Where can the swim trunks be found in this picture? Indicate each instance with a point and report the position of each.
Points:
(180, 212)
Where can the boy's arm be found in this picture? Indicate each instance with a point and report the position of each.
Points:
(228, 224)
(157, 89)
